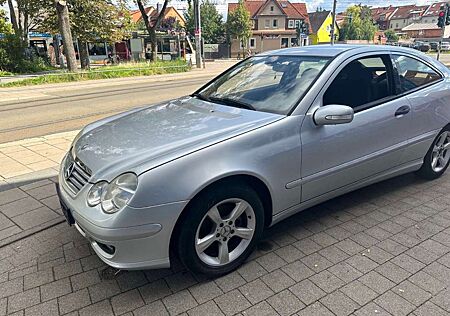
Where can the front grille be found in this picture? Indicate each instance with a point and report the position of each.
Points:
(76, 174)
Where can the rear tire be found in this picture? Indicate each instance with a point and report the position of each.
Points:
(221, 229)
(437, 158)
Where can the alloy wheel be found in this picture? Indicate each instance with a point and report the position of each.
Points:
(441, 152)
(225, 232)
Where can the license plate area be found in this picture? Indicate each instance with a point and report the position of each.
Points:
(66, 211)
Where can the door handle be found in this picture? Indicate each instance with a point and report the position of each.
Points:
(403, 110)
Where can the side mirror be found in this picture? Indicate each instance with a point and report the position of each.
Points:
(333, 114)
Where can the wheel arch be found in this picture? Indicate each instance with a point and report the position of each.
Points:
(252, 181)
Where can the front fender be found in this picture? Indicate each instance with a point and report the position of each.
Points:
(271, 153)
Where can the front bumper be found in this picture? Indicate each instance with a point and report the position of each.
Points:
(133, 238)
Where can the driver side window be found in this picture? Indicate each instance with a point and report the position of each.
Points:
(361, 82)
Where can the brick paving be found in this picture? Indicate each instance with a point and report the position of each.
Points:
(383, 250)
(28, 208)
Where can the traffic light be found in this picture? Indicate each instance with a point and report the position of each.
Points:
(441, 19)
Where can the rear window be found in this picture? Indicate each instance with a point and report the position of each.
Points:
(414, 73)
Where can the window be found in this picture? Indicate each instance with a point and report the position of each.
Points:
(253, 24)
(294, 41)
(291, 24)
(266, 23)
(96, 49)
(284, 42)
(275, 23)
(271, 8)
(413, 73)
(297, 23)
(252, 43)
(268, 83)
(361, 82)
(396, 25)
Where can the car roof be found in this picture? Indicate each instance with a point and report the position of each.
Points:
(333, 50)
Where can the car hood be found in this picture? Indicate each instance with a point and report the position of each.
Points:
(142, 139)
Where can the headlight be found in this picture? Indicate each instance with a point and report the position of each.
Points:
(95, 193)
(115, 195)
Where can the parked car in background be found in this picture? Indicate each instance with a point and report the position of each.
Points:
(421, 46)
(445, 46)
(434, 45)
(202, 176)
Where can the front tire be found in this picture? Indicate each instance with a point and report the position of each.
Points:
(437, 158)
(221, 229)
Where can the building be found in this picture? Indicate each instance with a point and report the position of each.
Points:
(429, 32)
(274, 25)
(382, 16)
(171, 12)
(431, 14)
(321, 23)
(406, 15)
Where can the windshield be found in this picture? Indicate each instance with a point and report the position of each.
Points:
(266, 83)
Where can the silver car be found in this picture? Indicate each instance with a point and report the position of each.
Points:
(202, 176)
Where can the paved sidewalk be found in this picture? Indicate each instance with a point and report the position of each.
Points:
(23, 157)
(383, 250)
(28, 169)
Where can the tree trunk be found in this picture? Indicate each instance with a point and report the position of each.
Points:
(154, 44)
(64, 28)
(12, 14)
(84, 55)
(151, 29)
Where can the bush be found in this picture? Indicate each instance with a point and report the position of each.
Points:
(16, 57)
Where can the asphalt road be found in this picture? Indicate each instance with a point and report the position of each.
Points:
(71, 109)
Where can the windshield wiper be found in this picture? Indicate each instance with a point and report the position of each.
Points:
(201, 97)
(233, 103)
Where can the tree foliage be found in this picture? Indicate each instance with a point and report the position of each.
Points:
(391, 36)
(239, 24)
(5, 26)
(213, 28)
(28, 14)
(93, 21)
(358, 24)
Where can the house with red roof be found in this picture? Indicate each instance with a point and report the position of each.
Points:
(171, 12)
(406, 15)
(274, 25)
(382, 16)
(431, 14)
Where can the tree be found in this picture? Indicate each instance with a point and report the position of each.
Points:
(358, 24)
(239, 24)
(213, 30)
(64, 28)
(5, 26)
(391, 36)
(152, 24)
(26, 15)
(93, 21)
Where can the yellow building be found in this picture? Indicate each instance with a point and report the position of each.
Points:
(321, 27)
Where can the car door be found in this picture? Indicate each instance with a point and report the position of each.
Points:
(423, 85)
(337, 156)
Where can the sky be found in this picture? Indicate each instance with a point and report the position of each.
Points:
(342, 4)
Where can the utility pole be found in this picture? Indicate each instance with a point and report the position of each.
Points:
(198, 34)
(334, 22)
